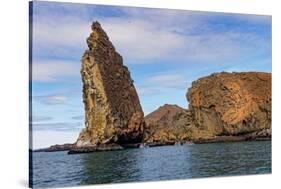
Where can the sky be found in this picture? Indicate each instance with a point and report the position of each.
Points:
(165, 50)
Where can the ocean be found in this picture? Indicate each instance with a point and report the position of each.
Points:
(58, 169)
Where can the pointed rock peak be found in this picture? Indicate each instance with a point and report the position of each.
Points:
(97, 29)
(98, 36)
(113, 112)
(95, 25)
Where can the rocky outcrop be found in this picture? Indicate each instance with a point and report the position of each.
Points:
(222, 107)
(231, 104)
(113, 113)
(56, 148)
(169, 123)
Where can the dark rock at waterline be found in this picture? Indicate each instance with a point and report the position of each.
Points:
(264, 134)
(113, 147)
(155, 144)
(148, 144)
(56, 148)
(259, 135)
(95, 148)
(132, 145)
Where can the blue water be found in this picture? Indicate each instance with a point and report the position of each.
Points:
(57, 169)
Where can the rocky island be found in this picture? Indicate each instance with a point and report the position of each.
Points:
(113, 114)
(222, 107)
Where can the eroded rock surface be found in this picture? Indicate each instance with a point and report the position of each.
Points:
(169, 123)
(231, 103)
(222, 107)
(113, 113)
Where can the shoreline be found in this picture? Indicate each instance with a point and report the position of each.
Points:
(73, 149)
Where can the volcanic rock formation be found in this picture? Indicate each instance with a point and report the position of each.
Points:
(113, 113)
(222, 107)
(169, 123)
(231, 103)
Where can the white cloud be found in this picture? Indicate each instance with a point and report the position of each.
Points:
(49, 71)
(147, 90)
(145, 34)
(139, 39)
(41, 118)
(61, 32)
(167, 81)
(52, 99)
(161, 83)
(57, 126)
(165, 78)
(80, 117)
(56, 99)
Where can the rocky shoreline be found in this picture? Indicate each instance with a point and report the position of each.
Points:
(56, 148)
(73, 149)
(261, 135)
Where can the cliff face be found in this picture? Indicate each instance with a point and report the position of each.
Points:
(112, 109)
(231, 103)
(169, 123)
(220, 105)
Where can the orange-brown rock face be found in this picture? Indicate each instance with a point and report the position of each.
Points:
(169, 123)
(113, 113)
(231, 103)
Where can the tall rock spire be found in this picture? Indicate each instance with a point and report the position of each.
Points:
(113, 113)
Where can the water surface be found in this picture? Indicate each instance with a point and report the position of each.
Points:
(57, 169)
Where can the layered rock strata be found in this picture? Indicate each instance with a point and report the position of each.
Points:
(222, 107)
(231, 103)
(113, 113)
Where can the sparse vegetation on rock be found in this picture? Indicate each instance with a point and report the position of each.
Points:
(113, 113)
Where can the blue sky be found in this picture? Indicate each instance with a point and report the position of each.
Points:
(165, 50)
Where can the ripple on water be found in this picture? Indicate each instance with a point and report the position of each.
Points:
(57, 169)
